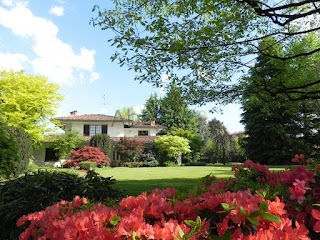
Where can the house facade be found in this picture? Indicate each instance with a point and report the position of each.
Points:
(88, 125)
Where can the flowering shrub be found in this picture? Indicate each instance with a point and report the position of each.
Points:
(87, 153)
(281, 205)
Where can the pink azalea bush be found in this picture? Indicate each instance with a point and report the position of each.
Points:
(278, 205)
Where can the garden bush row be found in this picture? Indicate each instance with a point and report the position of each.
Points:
(255, 204)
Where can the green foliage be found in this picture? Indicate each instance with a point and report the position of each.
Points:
(277, 126)
(104, 142)
(86, 165)
(27, 101)
(127, 113)
(218, 142)
(172, 146)
(175, 112)
(38, 190)
(8, 152)
(129, 149)
(144, 160)
(99, 189)
(202, 44)
(65, 143)
(24, 149)
(195, 141)
(152, 108)
(15, 151)
(198, 163)
(132, 164)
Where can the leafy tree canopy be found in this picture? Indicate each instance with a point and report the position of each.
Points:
(128, 113)
(65, 143)
(281, 125)
(173, 146)
(129, 149)
(174, 112)
(152, 108)
(203, 44)
(26, 101)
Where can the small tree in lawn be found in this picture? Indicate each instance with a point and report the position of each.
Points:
(87, 153)
(129, 149)
(172, 146)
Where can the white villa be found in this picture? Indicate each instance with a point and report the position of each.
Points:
(88, 125)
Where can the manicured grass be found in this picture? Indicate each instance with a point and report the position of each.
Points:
(185, 179)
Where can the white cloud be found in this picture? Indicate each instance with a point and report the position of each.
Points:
(54, 58)
(7, 2)
(57, 11)
(13, 61)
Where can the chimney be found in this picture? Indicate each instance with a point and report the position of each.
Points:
(152, 121)
(74, 112)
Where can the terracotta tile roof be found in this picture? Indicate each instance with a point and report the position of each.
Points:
(144, 125)
(89, 117)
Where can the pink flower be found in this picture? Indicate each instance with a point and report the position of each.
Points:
(298, 190)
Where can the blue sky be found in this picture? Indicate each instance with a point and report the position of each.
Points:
(53, 38)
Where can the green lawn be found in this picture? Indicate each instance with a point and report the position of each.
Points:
(185, 179)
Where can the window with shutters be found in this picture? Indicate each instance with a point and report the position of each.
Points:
(91, 130)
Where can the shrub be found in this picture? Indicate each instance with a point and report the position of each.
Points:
(153, 163)
(99, 189)
(198, 163)
(132, 164)
(147, 157)
(149, 160)
(15, 151)
(103, 142)
(87, 153)
(86, 165)
(65, 143)
(38, 190)
(8, 152)
(129, 149)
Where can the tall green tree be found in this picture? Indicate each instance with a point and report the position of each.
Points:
(218, 142)
(152, 108)
(175, 113)
(202, 43)
(277, 126)
(27, 102)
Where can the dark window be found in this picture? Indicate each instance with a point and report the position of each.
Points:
(105, 129)
(143, 133)
(51, 155)
(86, 130)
